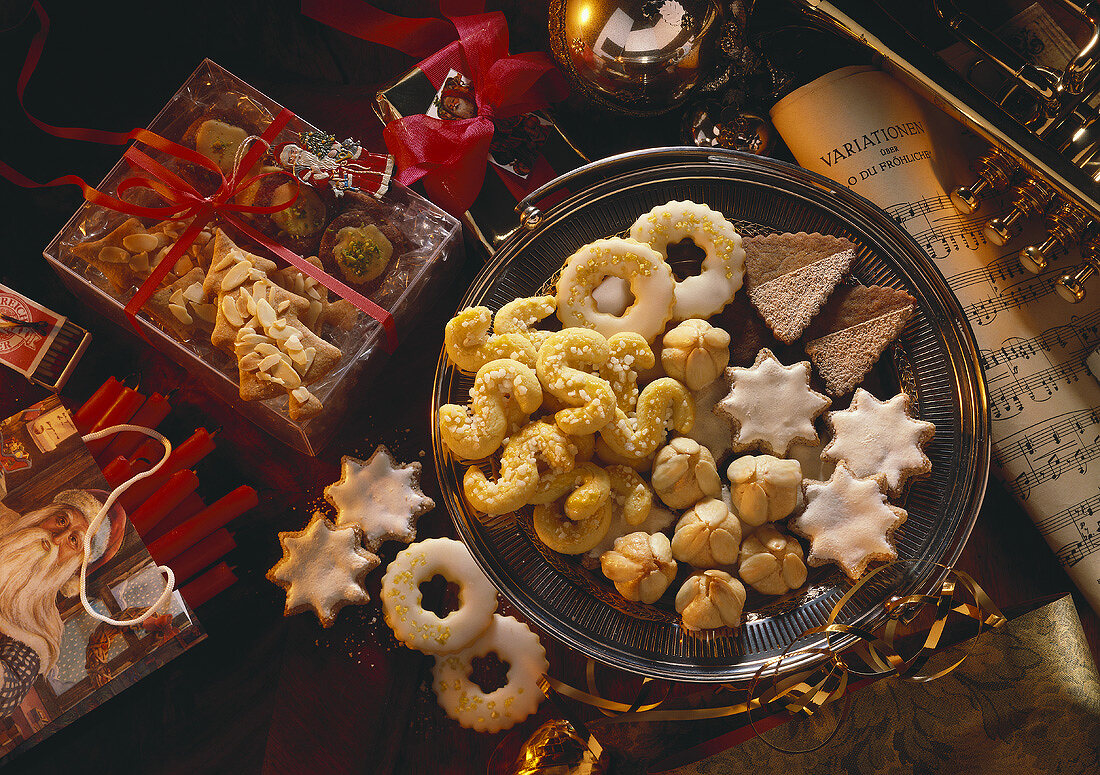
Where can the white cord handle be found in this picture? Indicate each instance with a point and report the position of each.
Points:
(93, 526)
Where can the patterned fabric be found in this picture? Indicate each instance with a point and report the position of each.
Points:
(21, 666)
(1026, 700)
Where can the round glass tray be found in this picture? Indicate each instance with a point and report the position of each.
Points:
(934, 360)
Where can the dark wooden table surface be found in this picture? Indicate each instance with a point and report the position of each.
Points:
(265, 692)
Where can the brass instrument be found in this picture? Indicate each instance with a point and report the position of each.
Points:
(1045, 137)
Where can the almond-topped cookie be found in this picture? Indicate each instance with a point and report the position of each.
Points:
(789, 277)
(846, 339)
(880, 439)
(771, 406)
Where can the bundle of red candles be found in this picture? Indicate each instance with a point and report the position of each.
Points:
(179, 529)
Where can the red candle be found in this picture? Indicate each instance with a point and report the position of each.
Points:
(214, 516)
(117, 471)
(146, 455)
(216, 580)
(156, 506)
(123, 408)
(190, 506)
(202, 555)
(184, 456)
(150, 415)
(96, 406)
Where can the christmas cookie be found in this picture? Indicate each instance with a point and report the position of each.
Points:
(704, 294)
(467, 703)
(846, 339)
(770, 405)
(323, 569)
(359, 244)
(403, 603)
(771, 563)
(651, 284)
(880, 439)
(849, 522)
(764, 488)
(695, 352)
(710, 599)
(380, 497)
(640, 566)
(788, 277)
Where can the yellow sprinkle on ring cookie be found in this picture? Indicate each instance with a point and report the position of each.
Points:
(402, 602)
(706, 293)
(651, 283)
(472, 707)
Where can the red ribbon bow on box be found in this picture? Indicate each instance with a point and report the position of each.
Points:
(450, 156)
(184, 200)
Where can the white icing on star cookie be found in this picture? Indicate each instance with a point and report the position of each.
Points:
(849, 522)
(771, 406)
(380, 497)
(880, 439)
(322, 568)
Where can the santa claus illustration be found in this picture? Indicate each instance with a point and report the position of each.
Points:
(40, 555)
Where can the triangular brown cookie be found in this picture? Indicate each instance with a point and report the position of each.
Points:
(846, 339)
(789, 277)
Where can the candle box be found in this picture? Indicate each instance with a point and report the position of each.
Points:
(426, 242)
(527, 151)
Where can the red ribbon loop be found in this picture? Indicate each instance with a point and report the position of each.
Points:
(451, 156)
(183, 200)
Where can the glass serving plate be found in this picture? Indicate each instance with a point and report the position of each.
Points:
(934, 360)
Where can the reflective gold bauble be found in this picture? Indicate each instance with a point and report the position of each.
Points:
(555, 749)
(639, 57)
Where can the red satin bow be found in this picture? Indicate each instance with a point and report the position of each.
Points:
(450, 156)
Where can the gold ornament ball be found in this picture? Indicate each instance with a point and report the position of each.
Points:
(638, 57)
(555, 749)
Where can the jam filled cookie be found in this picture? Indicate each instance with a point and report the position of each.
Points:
(323, 569)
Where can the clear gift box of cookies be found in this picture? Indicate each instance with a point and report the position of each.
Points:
(300, 263)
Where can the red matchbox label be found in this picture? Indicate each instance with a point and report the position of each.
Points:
(22, 347)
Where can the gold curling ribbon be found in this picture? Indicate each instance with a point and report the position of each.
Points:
(806, 693)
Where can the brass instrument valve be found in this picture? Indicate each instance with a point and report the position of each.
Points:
(995, 171)
(1064, 225)
(1071, 285)
(1029, 198)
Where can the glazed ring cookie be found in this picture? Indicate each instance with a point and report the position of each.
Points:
(651, 283)
(464, 701)
(402, 602)
(706, 293)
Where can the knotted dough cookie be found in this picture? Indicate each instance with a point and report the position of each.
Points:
(519, 315)
(651, 283)
(706, 293)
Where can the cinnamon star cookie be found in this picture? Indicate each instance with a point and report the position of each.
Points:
(322, 568)
(380, 497)
(770, 406)
(880, 439)
(849, 522)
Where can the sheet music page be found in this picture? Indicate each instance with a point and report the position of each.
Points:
(865, 130)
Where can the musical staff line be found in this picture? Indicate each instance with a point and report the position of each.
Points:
(1048, 449)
